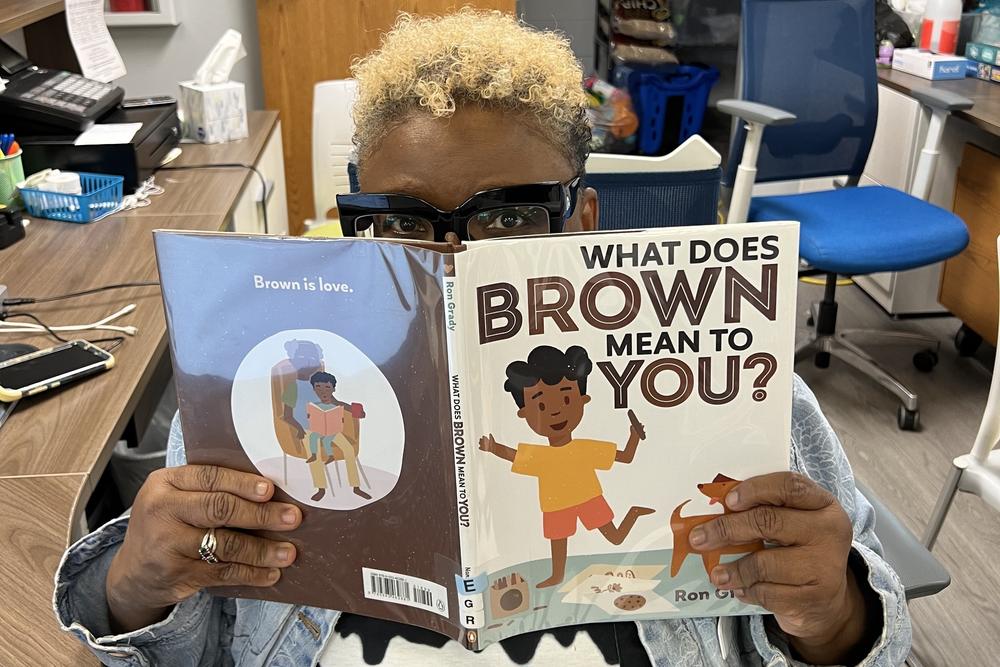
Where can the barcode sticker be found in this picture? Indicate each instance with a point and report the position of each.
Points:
(406, 590)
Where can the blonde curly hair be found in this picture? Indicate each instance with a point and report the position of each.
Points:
(487, 58)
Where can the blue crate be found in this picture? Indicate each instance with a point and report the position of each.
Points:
(652, 87)
(101, 195)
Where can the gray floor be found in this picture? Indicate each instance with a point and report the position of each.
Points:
(961, 625)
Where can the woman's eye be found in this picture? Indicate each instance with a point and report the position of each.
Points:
(502, 220)
(565, 400)
(541, 407)
(403, 224)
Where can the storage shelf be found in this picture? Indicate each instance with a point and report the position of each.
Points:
(161, 13)
(139, 19)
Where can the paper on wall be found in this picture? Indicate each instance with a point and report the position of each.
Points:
(95, 50)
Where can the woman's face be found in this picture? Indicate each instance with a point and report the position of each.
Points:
(444, 161)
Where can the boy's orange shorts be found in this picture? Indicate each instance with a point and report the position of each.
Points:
(592, 514)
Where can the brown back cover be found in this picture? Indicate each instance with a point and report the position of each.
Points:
(392, 314)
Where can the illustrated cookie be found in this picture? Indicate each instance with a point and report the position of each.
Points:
(630, 602)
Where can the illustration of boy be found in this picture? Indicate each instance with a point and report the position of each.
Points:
(326, 428)
(550, 390)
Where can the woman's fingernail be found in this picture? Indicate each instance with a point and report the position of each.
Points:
(262, 488)
(720, 576)
(289, 516)
(732, 499)
(274, 574)
(283, 554)
(739, 592)
(697, 536)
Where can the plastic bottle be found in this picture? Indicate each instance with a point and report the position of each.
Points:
(939, 29)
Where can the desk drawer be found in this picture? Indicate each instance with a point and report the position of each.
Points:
(969, 284)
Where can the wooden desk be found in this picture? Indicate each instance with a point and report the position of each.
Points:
(986, 95)
(55, 446)
(209, 191)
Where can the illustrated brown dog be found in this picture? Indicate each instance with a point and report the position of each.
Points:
(681, 527)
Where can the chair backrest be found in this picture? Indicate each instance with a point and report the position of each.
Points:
(637, 192)
(816, 59)
(333, 127)
(989, 429)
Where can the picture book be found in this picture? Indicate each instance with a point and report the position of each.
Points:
(529, 428)
(325, 420)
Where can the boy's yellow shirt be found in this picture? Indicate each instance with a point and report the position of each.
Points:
(566, 475)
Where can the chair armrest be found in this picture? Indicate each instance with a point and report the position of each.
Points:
(937, 98)
(755, 112)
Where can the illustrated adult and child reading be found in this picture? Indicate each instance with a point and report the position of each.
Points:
(309, 417)
(550, 390)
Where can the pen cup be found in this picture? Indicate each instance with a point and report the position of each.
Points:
(11, 173)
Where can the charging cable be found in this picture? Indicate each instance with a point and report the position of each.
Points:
(100, 325)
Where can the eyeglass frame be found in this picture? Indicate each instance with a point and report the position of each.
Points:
(558, 198)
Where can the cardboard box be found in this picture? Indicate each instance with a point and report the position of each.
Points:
(214, 113)
(984, 53)
(932, 66)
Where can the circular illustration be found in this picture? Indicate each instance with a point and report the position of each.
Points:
(318, 418)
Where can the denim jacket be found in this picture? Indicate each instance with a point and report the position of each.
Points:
(209, 630)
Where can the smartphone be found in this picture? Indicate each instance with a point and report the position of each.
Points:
(33, 373)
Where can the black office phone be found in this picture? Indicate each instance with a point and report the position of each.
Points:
(49, 99)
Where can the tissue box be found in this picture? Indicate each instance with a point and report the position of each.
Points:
(932, 66)
(214, 113)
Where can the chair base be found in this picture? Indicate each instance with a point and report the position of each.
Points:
(825, 342)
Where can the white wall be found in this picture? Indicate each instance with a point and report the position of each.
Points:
(157, 58)
(15, 39)
(575, 18)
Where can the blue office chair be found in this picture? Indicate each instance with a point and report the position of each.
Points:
(807, 74)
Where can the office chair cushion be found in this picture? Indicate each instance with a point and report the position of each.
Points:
(919, 571)
(866, 229)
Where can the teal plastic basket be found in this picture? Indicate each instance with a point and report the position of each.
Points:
(101, 195)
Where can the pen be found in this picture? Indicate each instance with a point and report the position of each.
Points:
(3, 143)
(14, 148)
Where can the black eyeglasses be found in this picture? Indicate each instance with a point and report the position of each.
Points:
(519, 210)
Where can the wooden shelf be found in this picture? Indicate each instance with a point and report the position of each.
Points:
(139, 19)
(15, 14)
(162, 14)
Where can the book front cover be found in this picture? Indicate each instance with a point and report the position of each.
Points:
(615, 388)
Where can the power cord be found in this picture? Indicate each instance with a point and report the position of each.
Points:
(26, 300)
(231, 165)
(100, 325)
(115, 341)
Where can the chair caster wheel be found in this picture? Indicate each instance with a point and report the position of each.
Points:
(925, 360)
(907, 420)
(822, 360)
(967, 341)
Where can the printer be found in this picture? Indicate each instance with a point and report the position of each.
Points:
(48, 109)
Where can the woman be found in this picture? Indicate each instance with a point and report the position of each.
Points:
(448, 108)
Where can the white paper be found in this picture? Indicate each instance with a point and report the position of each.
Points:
(108, 133)
(95, 50)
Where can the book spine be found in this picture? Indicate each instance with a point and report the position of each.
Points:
(470, 582)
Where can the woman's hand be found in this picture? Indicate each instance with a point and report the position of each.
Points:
(158, 564)
(805, 580)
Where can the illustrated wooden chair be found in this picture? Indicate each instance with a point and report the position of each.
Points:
(352, 431)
